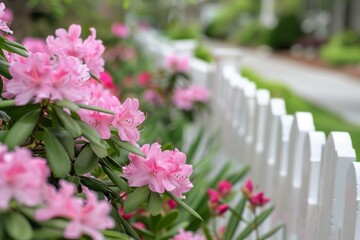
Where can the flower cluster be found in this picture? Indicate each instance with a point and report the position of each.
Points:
(87, 216)
(5, 16)
(185, 98)
(161, 171)
(120, 30)
(255, 199)
(187, 235)
(217, 197)
(177, 63)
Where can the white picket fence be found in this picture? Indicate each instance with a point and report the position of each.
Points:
(313, 181)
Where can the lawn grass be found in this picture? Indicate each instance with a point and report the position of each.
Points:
(324, 120)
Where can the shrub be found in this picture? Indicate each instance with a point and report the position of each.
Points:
(203, 53)
(254, 33)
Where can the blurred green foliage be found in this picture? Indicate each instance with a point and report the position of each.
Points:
(343, 48)
(254, 33)
(286, 32)
(178, 31)
(202, 52)
(324, 120)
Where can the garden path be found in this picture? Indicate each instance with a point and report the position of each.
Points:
(332, 90)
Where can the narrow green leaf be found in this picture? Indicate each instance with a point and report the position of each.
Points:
(11, 47)
(206, 232)
(93, 184)
(129, 229)
(194, 146)
(239, 175)
(93, 108)
(66, 140)
(86, 161)
(22, 129)
(271, 232)
(7, 103)
(101, 152)
(90, 134)
(114, 163)
(127, 146)
(119, 182)
(174, 230)
(69, 123)
(155, 203)
(59, 160)
(234, 219)
(3, 135)
(255, 223)
(184, 205)
(115, 235)
(15, 44)
(167, 220)
(136, 198)
(145, 233)
(18, 227)
(64, 103)
(48, 233)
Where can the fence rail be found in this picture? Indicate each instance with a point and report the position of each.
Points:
(313, 180)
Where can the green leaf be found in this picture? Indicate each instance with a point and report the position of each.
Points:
(167, 220)
(93, 108)
(136, 198)
(66, 140)
(86, 161)
(234, 219)
(101, 152)
(48, 233)
(59, 160)
(3, 135)
(114, 163)
(115, 235)
(174, 230)
(4, 69)
(7, 103)
(91, 134)
(145, 233)
(93, 184)
(119, 182)
(74, 179)
(184, 205)
(128, 228)
(239, 175)
(206, 232)
(155, 203)
(64, 103)
(69, 123)
(22, 129)
(194, 146)
(271, 232)
(255, 223)
(14, 47)
(18, 227)
(127, 146)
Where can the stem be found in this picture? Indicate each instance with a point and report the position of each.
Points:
(215, 227)
(256, 224)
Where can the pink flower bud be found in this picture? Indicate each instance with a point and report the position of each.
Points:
(224, 188)
(221, 209)
(214, 196)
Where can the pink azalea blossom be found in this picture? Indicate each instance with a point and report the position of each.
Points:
(127, 118)
(99, 97)
(120, 30)
(153, 97)
(161, 171)
(221, 209)
(171, 204)
(5, 16)
(39, 77)
(224, 188)
(35, 45)
(69, 42)
(214, 196)
(258, 199)
(107, 80)
(184, 98)
(88, 216)
(23, 177)
(177, 63)
(144, 78)
(187, 235)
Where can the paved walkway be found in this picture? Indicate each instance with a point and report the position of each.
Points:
(335, 91)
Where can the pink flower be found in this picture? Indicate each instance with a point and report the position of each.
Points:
(23, 177)
(171, 204)
(120, 30)
(144, 78)
(177, 63)
(88, 216)
(107, 80)
(225, 188)
(99, 97)
(35, 45)
(5, 16)
(161, 171)
(39, 77)
(184, 98)
(214, 196)
(258, 200)
(187, 235)
(153, 97)
(248, 188)
(127, 118)
(89, 51)
(221, 209)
